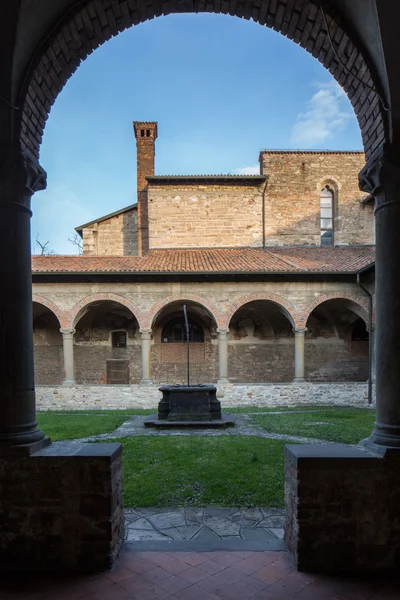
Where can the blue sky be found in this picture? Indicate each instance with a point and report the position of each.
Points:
(221, 89)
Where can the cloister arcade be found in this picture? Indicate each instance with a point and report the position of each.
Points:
(342, 503)
(105, 344)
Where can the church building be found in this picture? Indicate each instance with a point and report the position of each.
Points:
(276, 271)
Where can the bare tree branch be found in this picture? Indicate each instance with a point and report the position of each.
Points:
(76, 240)
(44, 247)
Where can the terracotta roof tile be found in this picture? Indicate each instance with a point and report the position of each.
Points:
(217, 260)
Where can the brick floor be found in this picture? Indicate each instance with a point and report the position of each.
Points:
(197, 576)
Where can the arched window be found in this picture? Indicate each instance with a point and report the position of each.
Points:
(175, 331)
(326, 207)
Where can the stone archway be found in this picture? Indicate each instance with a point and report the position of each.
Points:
(337, 341)
(89, 24)
(359, 304)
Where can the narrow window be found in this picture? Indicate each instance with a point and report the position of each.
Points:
(326, 207)
(142, 133)
(175, 331)
(118, 339)
(148, 132)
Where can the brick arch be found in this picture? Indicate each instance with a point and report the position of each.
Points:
(73, 313)
(91, 23)
(56, 310)
(288, 308)
(361, 303)
(155, 310)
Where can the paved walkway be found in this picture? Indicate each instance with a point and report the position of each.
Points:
(244, 425)
(206, 528)
(197, 576)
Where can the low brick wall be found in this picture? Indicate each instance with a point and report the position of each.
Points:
(61, 508)
(82, 397)
(342, 508)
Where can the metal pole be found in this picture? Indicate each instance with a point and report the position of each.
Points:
(188, 343)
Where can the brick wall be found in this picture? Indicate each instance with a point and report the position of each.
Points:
(146, 134)
(48, 355)
(169, 360)
(292, 207)
(117, 236)
(62, 508)
(336, 360)
(195, 216)
(263, 362)
(91, 362)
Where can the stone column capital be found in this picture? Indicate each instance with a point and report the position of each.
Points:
(67, 332)
(21, 176)
(145, 334)
(381, 177)
(222, 331)
(299, 330)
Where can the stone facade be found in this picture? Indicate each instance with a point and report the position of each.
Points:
(192, 225)
(292, 206)
(115, 236)
(260, 338)
(115, 397)
(205, 215)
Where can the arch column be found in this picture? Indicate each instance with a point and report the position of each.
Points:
(381, 177)
(68, 350)
(145, 336)
(299, 339)
(20, 178)
(223, 355)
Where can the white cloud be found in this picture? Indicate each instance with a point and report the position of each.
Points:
(324, 117)
(252, 170)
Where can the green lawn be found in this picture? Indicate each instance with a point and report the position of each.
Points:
(347, 426)
(70, 426)
(199, 471)
(221, 470)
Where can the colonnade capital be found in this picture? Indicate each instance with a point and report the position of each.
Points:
(381, 176)
(222, 331)
(67, 332)
(299, 330)
(145, 334)
(21, 175)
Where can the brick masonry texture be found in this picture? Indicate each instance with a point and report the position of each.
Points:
(147, 396)
(117, 236)
(292, 206)
(256, 353)
(90, 25)
(203, 216)
(82, 527)
(336, 520)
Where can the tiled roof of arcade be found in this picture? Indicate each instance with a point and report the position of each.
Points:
(316, 259)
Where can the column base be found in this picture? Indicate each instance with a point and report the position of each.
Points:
(298, 379)
(68, 383)
(222, 381)
(146, 382)
(386, 435)
(25, 449)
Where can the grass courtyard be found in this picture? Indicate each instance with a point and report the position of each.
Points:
(220, 470)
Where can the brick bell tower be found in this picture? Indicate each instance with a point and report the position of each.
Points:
(146, 135)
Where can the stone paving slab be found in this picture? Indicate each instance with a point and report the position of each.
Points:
(211, 525)
(244, 425)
